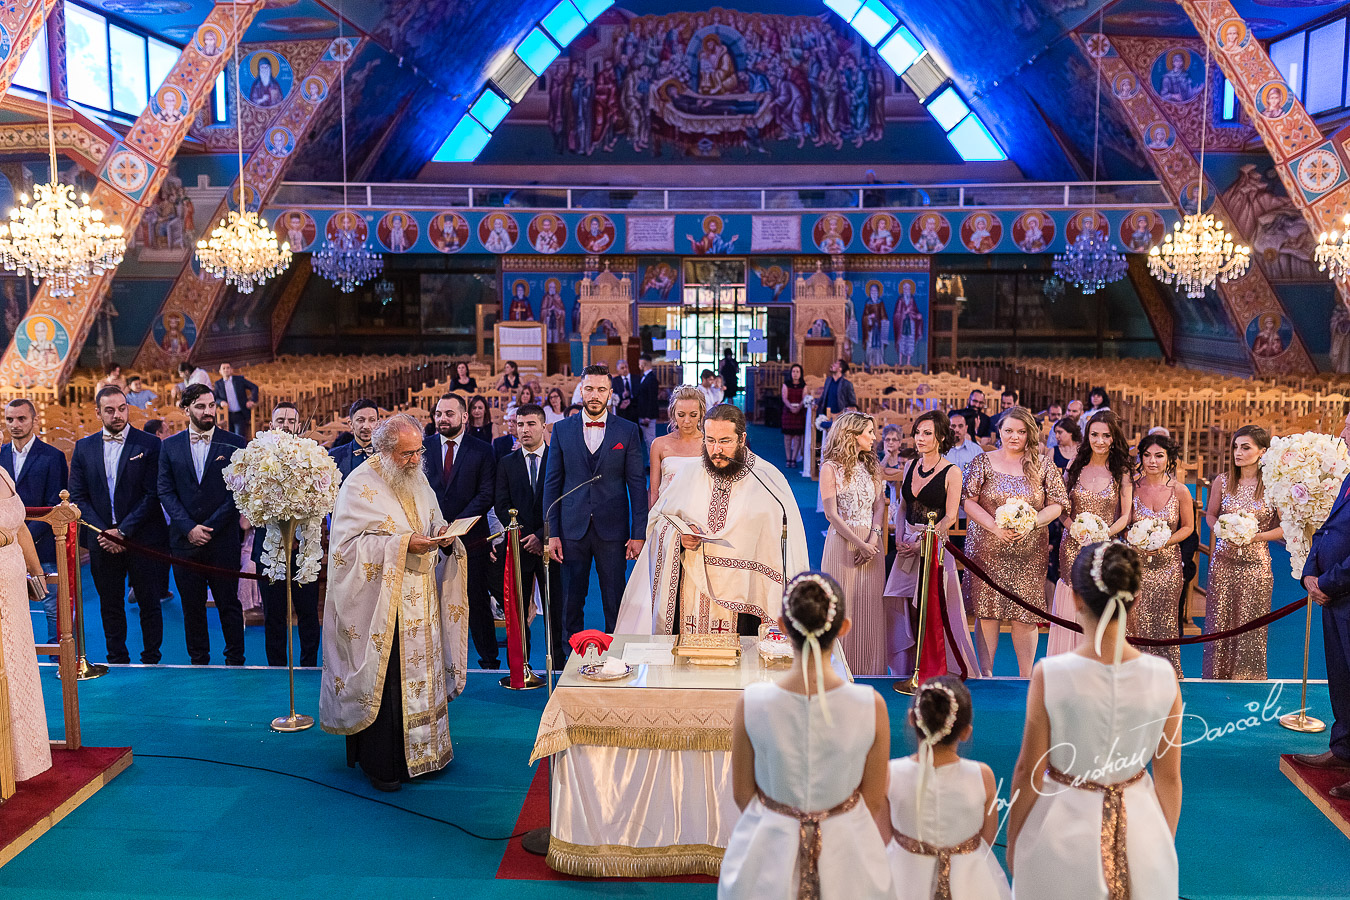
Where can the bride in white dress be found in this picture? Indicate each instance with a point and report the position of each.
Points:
(809, 748)
(684, 444)
(1096, 720)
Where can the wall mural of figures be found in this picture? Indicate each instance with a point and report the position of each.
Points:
(1282, 243)
(167, 231)
(891, 311)
(709, 81)
(548, 297)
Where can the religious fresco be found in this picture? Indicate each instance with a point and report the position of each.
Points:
(730, 234)
(175, 333)
(706, 82)
(167, 231)
(658, 281)
(265, 78)
(42, 342)
(1281, 241)
(549, 297)
(296, 227)
(769, 279)
(888, 325)
(1268, 335)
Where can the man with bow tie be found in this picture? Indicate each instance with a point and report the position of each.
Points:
(596, 468)
(203, 525)
(113, 476)
(364, 416)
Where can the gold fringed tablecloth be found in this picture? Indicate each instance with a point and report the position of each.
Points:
(642, 719)
(618, 861)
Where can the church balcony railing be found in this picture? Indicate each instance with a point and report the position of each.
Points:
(1019, 195)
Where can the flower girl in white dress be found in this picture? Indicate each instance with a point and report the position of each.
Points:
(808, 760)
(1094, 724)
(943, 807)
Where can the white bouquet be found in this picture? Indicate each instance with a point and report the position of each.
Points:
(1088, 528)
(281, 478)
(1236, 528)
(1302, 474)
(1016, 515)
(1148, 534)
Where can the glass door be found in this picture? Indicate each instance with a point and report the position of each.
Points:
(713, 317)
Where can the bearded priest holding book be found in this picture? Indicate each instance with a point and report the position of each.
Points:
(395, 630)
(713, 562)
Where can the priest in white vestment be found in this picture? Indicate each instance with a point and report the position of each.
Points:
(395, 628)
(684, 584)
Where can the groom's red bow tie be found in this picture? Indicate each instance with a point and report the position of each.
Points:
(595, 424)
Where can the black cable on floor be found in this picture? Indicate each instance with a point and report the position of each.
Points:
(333, 787)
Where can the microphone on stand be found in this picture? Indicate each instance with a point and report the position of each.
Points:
(785, 521)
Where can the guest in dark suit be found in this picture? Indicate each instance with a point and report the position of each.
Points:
(730, 370)
(605, 521)
(647, 399)
(364, 416)
(463, 473)
(507, 442)
(625, 402)
(304, 597)
(1326, 577)
(520, 486)
(238, 395)
(113, 475)
(203, 524)
(39, 473)
(982, 427)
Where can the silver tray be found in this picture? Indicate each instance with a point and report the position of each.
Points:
(592, 671)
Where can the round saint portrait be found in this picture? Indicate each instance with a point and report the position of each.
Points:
(547, 233)
(498, 232)
(832, 233)
(881, 232)
(1268, 335)
(397, 231)
(42, 342)
(209, 40)
(930, 232)
(344, 221)
(1273, 100)
(265, 78)
(595, 233)
(1033, 231)
(448, 232)
(1140, 230)
(1085, 220)
(175, 333)
(296, 227)
(981, 231)
(314, 89)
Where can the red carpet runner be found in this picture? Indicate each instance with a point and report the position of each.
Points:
(41, 802)
(520, 865)
(1314, 783)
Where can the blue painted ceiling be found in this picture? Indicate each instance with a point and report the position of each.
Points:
(1016, 60)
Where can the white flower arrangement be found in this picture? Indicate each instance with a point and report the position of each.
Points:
(279, 478)
(1149, 534)
(1088, 528)
(1302, 474)
(1236, 528)
(1016, 515)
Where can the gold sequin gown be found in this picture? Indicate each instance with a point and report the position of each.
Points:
(1018, 566)
(865, 644)
(1239, 590)
(1104, 504)
(1158, 604)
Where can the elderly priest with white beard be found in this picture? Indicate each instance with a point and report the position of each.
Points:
(733, 580)
(395, 629)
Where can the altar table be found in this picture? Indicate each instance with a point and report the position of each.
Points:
(642, 766)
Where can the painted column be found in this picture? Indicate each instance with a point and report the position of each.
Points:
(48, 339)
(1312, 168)
(19, 25)
(194, 300)
(1171, 139)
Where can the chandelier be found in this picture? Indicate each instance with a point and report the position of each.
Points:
(243, 251)
(384, 291)
(1091, 262)
(1333, 251)
(1199, 252)
(56, 238)
(241, 248)
(346, 262)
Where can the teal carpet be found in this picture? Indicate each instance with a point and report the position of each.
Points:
(179, 828)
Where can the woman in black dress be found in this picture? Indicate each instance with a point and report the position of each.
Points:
(930, 484)
(510, 380)
(480, 419)
(463, 381)
(794, 416)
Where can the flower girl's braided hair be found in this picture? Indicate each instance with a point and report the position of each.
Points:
(1106, 576)
(940, 712)
(814, 610)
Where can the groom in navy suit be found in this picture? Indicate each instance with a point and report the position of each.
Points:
(1326, 577)
(39, 473)
(605, 521)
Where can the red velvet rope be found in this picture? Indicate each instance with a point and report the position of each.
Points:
(1258, 622)
(187, 563)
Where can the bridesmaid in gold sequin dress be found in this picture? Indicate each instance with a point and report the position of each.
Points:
(1017, 564)
(855, 547)
(1240, 578)
(1098, 482)
(1159, 494)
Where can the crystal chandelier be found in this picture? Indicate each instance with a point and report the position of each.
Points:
(1199, 252)
(1333, 251)
(243, 251)
(56, 238)
(384, 291)
(345, 260)
(1091, 262)
(241, 248)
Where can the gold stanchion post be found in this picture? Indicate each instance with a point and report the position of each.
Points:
(1301, 721)
(927, 551)
(294, 721)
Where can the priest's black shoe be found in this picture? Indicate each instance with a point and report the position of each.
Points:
(387, 786)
